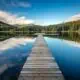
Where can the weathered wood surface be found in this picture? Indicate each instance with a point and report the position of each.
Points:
(40, 65)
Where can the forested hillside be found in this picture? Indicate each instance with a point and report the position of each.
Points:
(67, 26)
(31, 29)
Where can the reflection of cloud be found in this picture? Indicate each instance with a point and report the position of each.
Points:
(3, 68)
(74, 18)
(13, 42)
(13, 19)
(72, 43)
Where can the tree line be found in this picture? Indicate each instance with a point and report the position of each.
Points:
(23, 30)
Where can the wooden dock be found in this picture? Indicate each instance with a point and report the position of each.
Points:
(40, 65)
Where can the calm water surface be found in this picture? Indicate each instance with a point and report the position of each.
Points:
(66, 53)
(13, 57)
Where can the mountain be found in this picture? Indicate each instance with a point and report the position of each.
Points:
(3, 24)
(77, 22)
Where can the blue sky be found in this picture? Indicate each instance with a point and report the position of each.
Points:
(44, 12)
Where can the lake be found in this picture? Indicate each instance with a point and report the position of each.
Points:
(67, 55)
(15, 51)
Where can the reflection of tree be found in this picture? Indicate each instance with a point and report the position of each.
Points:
(74, 36)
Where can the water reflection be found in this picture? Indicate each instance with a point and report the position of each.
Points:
(74, 36)
(12, 57)
(65, 48)
(67, 55)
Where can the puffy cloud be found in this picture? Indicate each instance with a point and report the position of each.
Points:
(73, 18)
(14, 19)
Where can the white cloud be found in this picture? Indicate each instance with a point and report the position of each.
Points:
(21, 4)
(14, 19)
(73, 18)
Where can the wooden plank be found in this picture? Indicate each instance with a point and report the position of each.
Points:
(40, 64)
